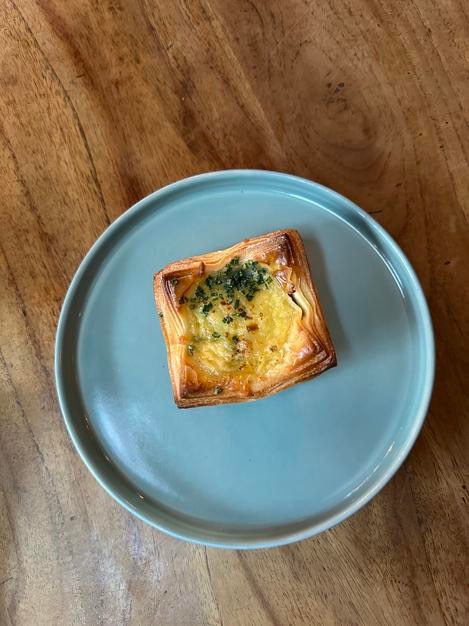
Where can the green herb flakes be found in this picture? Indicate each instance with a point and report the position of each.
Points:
(200, 293)
(231, 286)
(207, 308)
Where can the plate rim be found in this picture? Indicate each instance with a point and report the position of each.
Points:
(309, 529)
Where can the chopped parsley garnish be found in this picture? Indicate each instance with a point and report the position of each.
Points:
(216, 335)
(200, 293)
(217, 391)
(230, 287)
(174, 281)
(190, 349)
(234, 279)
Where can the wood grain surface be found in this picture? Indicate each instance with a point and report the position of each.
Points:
(103, 101)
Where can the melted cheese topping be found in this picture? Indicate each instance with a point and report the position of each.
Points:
(227, 349)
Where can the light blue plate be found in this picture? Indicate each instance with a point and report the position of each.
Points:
(275, 470)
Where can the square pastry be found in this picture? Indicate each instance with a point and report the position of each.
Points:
(242, 323)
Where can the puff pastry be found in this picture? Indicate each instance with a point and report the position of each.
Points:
(242, 323)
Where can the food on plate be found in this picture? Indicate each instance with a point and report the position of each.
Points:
(242, 323)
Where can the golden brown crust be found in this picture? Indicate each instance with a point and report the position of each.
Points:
(314, 354)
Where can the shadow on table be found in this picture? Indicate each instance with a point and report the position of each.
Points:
(322, 282)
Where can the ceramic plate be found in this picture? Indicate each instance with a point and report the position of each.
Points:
(267, 472)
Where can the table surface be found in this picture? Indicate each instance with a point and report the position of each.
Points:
(103, 102)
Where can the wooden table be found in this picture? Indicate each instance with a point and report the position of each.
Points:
(101, 102)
